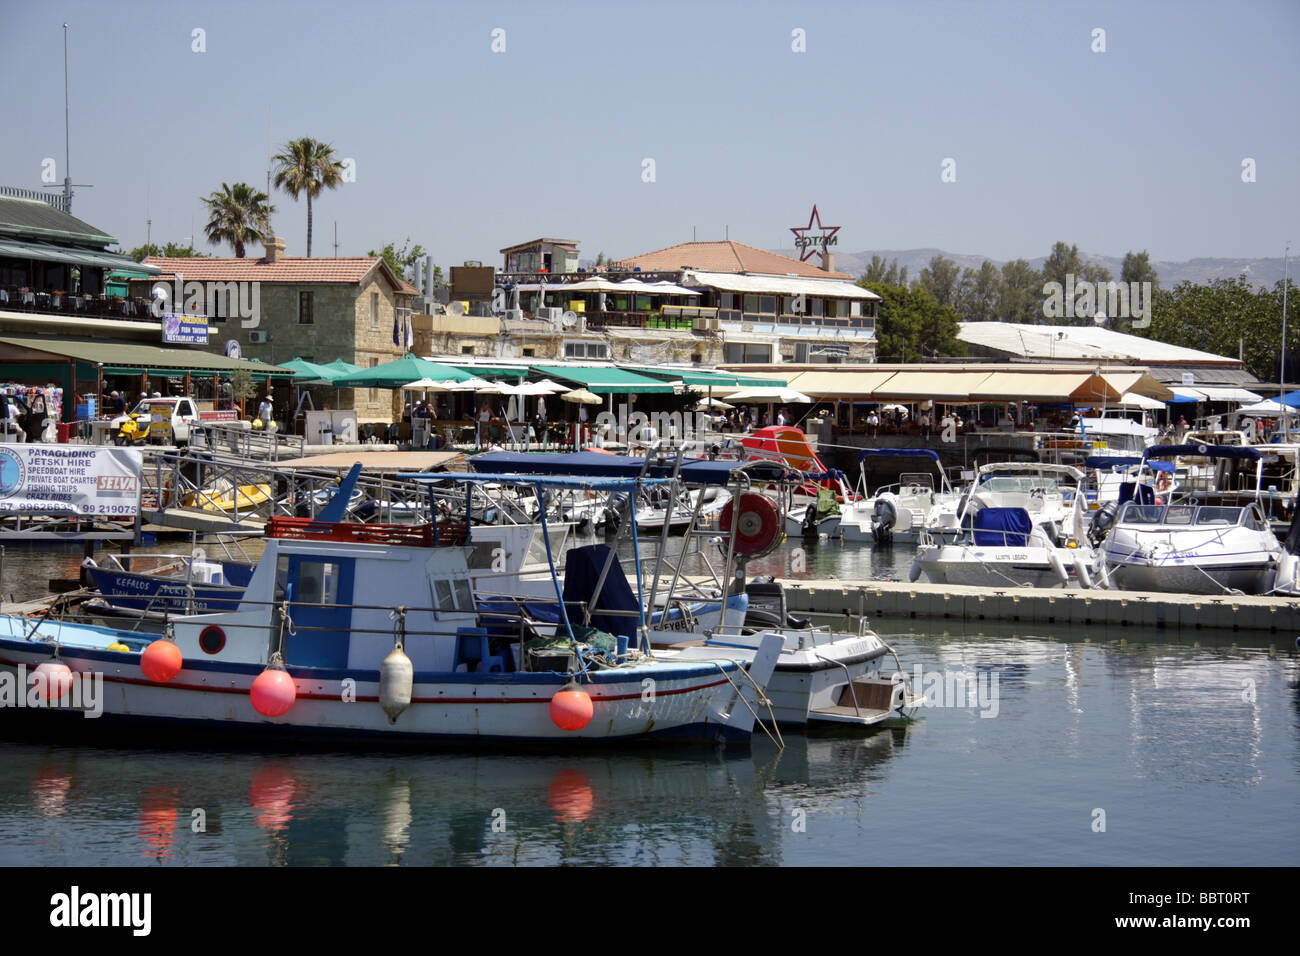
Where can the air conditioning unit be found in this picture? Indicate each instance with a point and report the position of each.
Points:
(700, 325)
(551, 313)
(715, 324)
(515, 315)
(259, 337)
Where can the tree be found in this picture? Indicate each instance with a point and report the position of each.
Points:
(307, 166)
(1063, 261)
(402, 261)
(1226, 317)
(600, 259)
(877, 271)
(141, 253)
(911, 326)
(1137, 268)
(978, 296)
(173, 250)
(941, 280)
(1020, 293)
(238, 214)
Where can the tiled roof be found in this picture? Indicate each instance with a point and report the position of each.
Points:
(723, 256)
(294, 269)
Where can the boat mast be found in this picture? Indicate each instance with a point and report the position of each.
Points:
(1286, 281)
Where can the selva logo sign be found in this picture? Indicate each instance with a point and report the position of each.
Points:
(122, 484)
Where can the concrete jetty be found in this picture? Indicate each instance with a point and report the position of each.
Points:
(1110, 609)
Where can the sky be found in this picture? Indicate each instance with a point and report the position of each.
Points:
(631, 126)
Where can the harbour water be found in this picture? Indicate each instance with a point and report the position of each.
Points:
(1066, 749)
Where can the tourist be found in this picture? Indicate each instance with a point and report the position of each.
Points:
(481, 426)
(266, 412)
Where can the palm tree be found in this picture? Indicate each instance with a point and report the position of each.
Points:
(307, 165)
(239, 214)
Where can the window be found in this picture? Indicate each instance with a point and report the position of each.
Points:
(595, 350)
(751, 303)
(816, 307)
(317, 583)
(467, 350)
(304, 308)
(374, 310)
(767, 304)
(726, 301)
(696, 358)
(530, 353)
(742, 352)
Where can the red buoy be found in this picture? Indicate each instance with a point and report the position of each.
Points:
(161, 661)
(54, 682)
(758, 524)
(273, 692)
(571, 708)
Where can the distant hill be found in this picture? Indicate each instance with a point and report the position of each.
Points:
(1261, 272)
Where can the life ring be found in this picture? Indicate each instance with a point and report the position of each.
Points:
(757, 522)
(1163, 481)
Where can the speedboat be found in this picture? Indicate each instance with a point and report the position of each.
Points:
(1192, 549)
(1018, 533)
(902, 510)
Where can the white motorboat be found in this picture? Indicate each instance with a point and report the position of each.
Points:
(903, 510)
(1019, 532)
(1192, 549)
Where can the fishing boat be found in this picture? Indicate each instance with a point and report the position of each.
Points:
(175, 584)
(812, 508)
(353, 632)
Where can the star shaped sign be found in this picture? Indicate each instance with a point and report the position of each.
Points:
(814, 244)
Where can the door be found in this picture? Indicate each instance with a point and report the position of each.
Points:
(320, 595)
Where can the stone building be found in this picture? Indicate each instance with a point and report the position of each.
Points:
(279, 307)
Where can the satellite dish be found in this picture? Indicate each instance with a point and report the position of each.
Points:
(569, 319)
(456, 308)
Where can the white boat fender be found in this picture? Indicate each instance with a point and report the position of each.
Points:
(396, 673)
(1081, 569)
(1285, 578)
(1058, 566)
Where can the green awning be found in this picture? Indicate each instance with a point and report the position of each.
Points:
(494, 371)
(132, 358)
(73, 255)
(607, 380)
(400, 372)
(701, 378)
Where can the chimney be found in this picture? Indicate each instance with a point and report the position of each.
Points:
(274, 249)
(828, 261)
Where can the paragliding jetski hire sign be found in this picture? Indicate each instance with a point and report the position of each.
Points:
(69, 479)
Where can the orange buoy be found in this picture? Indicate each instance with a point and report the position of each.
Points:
(53, 680)
(571, 708)
(273, 692)
(161, 661)
(758, 524)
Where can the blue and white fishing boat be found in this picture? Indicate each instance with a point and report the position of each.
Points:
(351, 632)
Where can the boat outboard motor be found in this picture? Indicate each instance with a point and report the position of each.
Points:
(809, 526)
(767, 606)
(883, 519)
(1102, 519)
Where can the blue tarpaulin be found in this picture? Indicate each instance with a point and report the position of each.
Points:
(1002, 527)
(1202, 451)
(898, 453)
(582, 568)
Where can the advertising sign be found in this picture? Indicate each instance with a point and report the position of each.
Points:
(68, 479)
(179, 330)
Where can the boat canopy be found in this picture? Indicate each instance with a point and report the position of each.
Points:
(592, 464)
(1032, 466)
(898, 453)
(1002, 527)
(1201, 451)
(1111, 461)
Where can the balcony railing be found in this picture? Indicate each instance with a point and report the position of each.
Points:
(130, 308)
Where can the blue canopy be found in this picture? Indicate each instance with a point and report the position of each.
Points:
(582, 567)
(592, 464)
(1111, 461)
(1002, 527)
(899, 453)
(596, 483)
(1201, 451)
